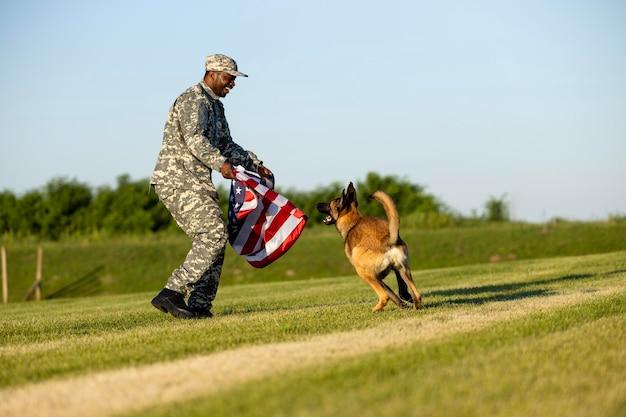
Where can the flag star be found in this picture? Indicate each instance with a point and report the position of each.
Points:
(237, 205)
(238, 190)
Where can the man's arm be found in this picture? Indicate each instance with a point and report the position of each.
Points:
(249, 160)
(239, 156)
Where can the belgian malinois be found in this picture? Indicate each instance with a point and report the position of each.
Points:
(373, 246)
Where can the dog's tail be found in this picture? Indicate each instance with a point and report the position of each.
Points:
(392, 214)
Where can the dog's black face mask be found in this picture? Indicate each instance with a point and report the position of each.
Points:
(337, 205)
(329, 209)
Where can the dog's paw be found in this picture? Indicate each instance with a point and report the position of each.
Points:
(378, 308)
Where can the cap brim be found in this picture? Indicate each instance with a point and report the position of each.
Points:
(236, 73)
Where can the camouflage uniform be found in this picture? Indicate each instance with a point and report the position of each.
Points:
(196, 140)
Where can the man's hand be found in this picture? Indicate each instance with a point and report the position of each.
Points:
(227, 171)
(264, 172)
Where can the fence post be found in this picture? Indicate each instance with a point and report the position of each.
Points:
(5, 276)
(36, 287)
(39, 273)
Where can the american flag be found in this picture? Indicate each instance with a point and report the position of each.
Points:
(262, 224)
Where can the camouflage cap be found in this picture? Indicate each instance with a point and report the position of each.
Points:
(222, 63)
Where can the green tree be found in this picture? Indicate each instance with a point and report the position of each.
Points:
(409, 197)
(64, 207)
(100, 208)
(307, 200)
(9, 214)
(31, 209)
(64, 202)
(127, 210)
(497, 209)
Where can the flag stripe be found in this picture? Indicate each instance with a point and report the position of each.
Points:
(256, 231)
(286, 245)
(262, 224)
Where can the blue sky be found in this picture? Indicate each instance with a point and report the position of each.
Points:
(470, 99)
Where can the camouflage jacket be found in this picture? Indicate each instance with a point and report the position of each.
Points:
(196, 140)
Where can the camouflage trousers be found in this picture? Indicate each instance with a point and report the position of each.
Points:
(200, 217)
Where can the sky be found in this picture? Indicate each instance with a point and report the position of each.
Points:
(522, 99)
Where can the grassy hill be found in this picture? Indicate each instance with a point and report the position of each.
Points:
(539, 337)
(76, 267)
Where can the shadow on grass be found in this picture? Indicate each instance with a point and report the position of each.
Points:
(508, 291)
(514, 286)
(454, 296)
(617, 271)
(508, 296)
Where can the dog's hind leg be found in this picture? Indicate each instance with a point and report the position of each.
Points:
(403, 290)
(383, 297)
(405, 274)
(392, 295)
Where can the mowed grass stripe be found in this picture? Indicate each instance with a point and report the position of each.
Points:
(107, 393)
(570, 362)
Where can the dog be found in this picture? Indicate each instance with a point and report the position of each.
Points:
(373, 246)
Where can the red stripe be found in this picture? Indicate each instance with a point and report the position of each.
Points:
(284, 247)
(255, 233)
(284, 213)
(249, 195)
(280, 218)
(271, 195)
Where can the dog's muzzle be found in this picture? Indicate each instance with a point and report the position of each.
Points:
(328, 220)
(324, 208)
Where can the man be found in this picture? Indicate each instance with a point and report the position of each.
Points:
(196, 141)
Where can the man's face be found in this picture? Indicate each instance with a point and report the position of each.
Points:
(222, 83)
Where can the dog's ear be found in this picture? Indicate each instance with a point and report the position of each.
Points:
(342, 200)
(351, 195)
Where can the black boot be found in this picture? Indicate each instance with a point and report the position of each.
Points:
(172, 302)
(202, 314)
(200, 300)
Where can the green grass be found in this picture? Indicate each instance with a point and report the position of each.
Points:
(549, 365)
(76, 268)
(568, 360)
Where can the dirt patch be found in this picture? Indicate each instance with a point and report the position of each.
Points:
(132, 389)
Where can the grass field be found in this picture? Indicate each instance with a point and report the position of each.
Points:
(525, 338)
(77, 268)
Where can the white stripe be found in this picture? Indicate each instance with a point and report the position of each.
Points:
(251, 219)
(244, 232)
(279, 238)
(263, 249)
(270, 215)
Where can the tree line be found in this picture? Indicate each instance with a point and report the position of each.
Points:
(68, 207)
